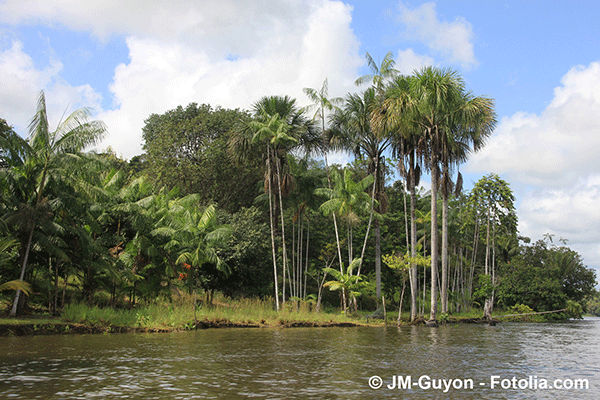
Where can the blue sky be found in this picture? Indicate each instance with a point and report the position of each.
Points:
(539, 60)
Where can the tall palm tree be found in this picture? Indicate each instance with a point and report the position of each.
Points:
(472, 123)
(379, 74)
(441, 109)
(279, 127)
(322, 104)
(408, 144)
(352, 131)
(347, 199)
(48, 154)
(307, 177)
(379, 78)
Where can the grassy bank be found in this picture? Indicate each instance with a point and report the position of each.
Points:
(179, 314)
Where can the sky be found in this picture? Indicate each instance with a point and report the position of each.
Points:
(539, 60)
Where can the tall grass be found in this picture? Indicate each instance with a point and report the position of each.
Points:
(178, 313)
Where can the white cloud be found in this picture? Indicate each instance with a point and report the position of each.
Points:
(220, 26)
(162, 74)
(21, 84)
(554, 148)
(408, 61)
(551, 160)
(451, 40)
(224, 52)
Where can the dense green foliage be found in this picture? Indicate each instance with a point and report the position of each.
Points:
(593, 305)
(237, 203)
(187, 148)
(544, 277)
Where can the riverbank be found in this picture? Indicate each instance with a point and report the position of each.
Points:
(176, 316)
(165, 316)
(31, 326)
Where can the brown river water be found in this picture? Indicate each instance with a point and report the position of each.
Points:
(464, 361)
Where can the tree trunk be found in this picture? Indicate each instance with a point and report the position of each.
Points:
(306, 258)
(272, 230)
(377, 242)
(282, 227)
(445, 252)
(377, 231)
(434, 243)
(413, 240)
(55, 306)
(401, 298)
(487, 309)
(64, 292)
(14, 310)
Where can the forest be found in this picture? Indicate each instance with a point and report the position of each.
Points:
(244, 204)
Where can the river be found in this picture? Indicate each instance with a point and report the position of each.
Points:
(460, 361)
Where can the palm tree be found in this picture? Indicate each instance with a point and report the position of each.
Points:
(379, 77)
(472, 123)
(193, 235)
(323, 104)
(347, 199)
(408, 143)
(441, 119)
(441, 110)
(49, 153)
(307, 176)
(278, 128)
(379, 74)
(351, 131)
(348, 283)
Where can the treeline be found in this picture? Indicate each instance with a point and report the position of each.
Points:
(237, 202)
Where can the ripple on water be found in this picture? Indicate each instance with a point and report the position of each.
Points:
(297, 363)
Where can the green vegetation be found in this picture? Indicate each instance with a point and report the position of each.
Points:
(233, 210)
(593, 305)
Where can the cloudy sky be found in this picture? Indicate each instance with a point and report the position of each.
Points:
(538, 59)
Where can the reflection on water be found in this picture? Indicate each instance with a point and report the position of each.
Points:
(333, 363)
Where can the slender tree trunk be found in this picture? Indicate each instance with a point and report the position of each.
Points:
(282, 226)
(337, 235)
(487, 309)
(413, 239)
(306, 258)
(272, 229)
(473, 257)
(64, 292)
(424, 270)
(55, 307)
(14, 309)
(362, 253)
(377, 231)
(294, 259)
(299, 266)
(434, 243)
(401, 299)
(445, 252)
(349, 239)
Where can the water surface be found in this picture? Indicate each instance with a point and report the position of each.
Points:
(332, 363)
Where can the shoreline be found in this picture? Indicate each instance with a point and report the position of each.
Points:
(60, 327)
(56, 326)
